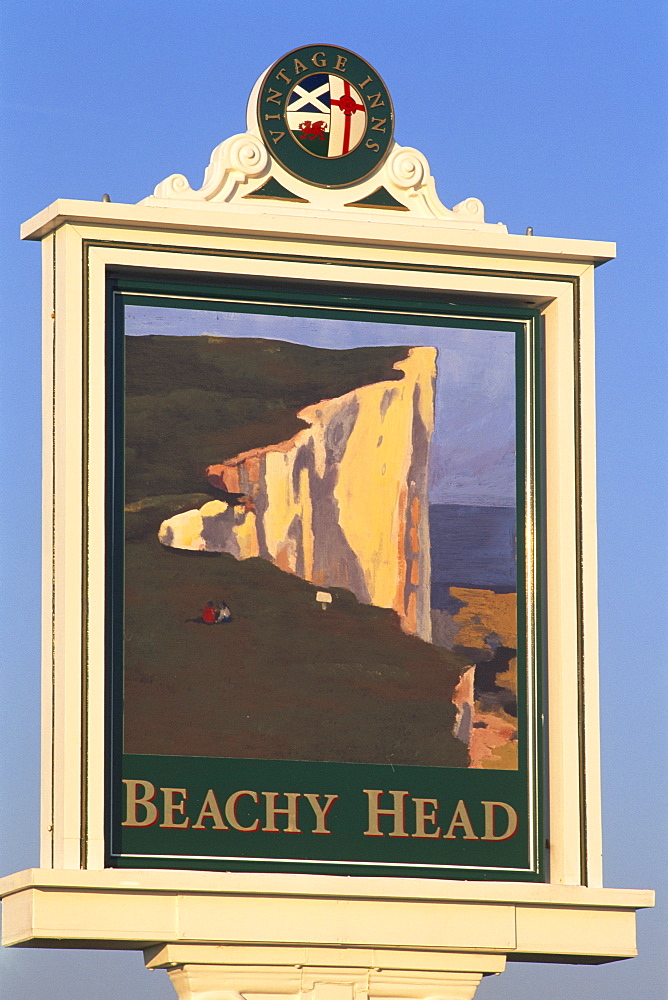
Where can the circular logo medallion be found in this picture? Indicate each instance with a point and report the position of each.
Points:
(325, 115)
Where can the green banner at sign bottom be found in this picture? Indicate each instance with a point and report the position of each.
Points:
(267, 815)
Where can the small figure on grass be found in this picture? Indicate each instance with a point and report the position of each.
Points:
(224, 615)
(213, 614)
(209, 613)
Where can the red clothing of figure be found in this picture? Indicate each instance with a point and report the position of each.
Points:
(209, 614)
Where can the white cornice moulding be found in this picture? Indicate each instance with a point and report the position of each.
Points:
(324, 886)
(284, 221)
(136, 908)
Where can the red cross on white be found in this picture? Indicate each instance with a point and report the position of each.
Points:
(347, 126)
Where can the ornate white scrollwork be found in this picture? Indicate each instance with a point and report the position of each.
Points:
(406, 175)
(240, 165)
(470, 208)
(247, 154)
(175, 186)
(407, 167)
(232, 163)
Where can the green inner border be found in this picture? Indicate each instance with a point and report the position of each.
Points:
(266, 298)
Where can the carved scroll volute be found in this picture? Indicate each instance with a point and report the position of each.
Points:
(233, 164)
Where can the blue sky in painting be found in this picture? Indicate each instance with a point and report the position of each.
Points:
(554, 115)
(472, 459)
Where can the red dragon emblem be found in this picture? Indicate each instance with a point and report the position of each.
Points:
(312, 130)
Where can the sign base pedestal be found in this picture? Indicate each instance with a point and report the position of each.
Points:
(204, 972)
(245, 936)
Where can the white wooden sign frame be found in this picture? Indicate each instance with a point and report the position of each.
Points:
(417, 929)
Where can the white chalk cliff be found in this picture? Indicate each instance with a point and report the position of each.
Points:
(343, 503)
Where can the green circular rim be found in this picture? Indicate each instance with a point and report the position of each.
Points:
(327, 172)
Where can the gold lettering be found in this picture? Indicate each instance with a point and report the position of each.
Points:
(273, 812)
(319, 59)
(513, 820)
(171, 807)
(375, 100)
(375, 812)
(320, 811)
(299, 67)
(340, 63)
(380, 126)
(461, 818)
(210, 810)
(276, 136)
(372, 145)
(275, 96)
(145, 800)
(282, 75)
(231, 811)
(269, 118)
(422, 817)
(363, 85)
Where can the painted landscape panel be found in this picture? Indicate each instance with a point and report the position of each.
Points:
(321, 548)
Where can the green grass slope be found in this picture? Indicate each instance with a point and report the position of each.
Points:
(284, 679)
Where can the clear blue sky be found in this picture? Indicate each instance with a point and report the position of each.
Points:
(552, 114)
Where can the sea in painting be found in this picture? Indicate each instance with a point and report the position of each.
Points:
(321, 552)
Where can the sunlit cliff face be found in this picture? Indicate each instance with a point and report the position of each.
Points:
(343, 503)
